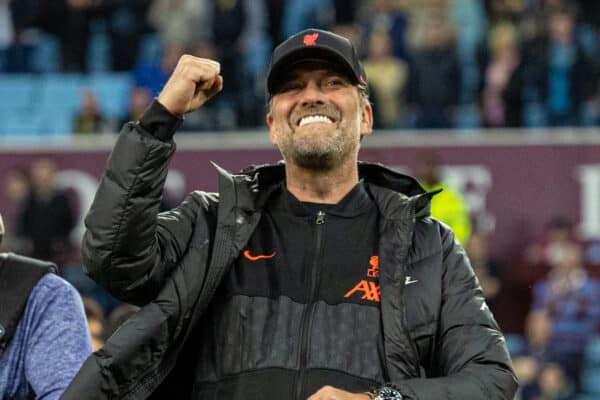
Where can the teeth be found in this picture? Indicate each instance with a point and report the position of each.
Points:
(314, 118)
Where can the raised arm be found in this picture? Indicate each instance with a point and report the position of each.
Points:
(128, 247)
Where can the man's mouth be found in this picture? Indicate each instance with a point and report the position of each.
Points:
(310, 119)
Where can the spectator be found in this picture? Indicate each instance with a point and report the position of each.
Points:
(485, 268)
(503, 10)
(468, 16)
(496, 109)
(94, 314)
(18, 188)
(448, 206)
(571, 78)
(553, 384)
(175, 21)
(89, 118)
(526, 369)
(555, 76)
(6, 31)
(71, 21)
(275, 9)
(529, 361)
(174, 191)
(46, 219)
(531, 268)
(154, 76)
(387, 76)
(43, 337)
(345, 11)
(238, 26)
(387, 18)
(434, 78)
(540, 256)
(139, 99)
(126, 23)
(569, 299)
(303, 14)
(19, 21)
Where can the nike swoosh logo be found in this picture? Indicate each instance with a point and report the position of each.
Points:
(258, 257)
(409, 281)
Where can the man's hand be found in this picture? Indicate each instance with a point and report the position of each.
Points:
(331, 393)
(192, 83)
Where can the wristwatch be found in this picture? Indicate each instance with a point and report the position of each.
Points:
(386, 393)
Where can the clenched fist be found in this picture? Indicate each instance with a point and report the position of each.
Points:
(192, 83)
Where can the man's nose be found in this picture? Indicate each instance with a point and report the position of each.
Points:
(312, 94)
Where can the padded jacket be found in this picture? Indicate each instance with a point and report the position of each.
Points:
(440, 339)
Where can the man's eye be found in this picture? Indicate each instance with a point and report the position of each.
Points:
(334, 82)
(291, 86)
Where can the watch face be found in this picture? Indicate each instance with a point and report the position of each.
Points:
(386, 393)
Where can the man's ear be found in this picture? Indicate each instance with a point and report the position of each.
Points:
(366, 120)
(272, 136)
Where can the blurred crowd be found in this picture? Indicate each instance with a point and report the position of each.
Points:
(430, 63)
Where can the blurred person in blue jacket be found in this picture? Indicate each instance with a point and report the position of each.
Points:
(44, 338)
(569, 300)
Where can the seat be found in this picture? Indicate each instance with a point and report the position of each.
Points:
(20, 122)
(60, 90)
(112, 91)
(17, 91)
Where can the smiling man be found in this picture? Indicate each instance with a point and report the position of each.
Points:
(318, 278)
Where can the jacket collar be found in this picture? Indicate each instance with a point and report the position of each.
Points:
(390, 188)
(356, 202)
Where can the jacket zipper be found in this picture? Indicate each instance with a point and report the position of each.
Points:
(307, 316)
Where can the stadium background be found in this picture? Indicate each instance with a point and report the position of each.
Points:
(504, 93)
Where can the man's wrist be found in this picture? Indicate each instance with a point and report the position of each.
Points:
(160, 122)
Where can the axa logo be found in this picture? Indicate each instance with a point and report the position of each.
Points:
(310, 39)
(368, 289)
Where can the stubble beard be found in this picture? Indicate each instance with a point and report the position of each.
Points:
(320, 155)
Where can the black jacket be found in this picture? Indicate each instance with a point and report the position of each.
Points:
(441, 341)
(18, 277)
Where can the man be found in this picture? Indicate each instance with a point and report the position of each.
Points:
(448, 206)
(44, 338)
(47, 217)
(568, 300)
(320, 278)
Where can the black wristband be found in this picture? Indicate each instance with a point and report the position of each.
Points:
(160, 122)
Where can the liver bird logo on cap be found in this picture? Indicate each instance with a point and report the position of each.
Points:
(310, 39)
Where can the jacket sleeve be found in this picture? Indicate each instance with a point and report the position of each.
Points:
(471, 360)
(128, 248)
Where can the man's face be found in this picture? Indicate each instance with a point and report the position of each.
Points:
(317, 118)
